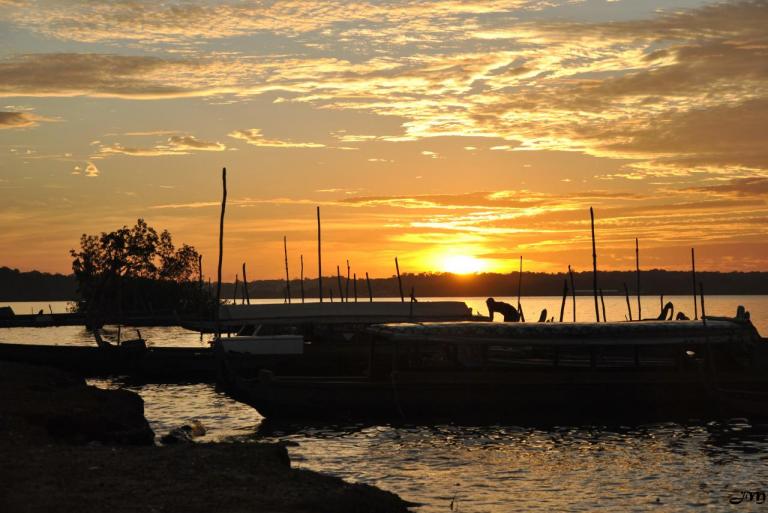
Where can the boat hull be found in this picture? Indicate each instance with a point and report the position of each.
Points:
(519, 398)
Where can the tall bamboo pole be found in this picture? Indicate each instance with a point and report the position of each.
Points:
(602, 303)
(234, 292)
(287, 278)
(565, 296)
(338, 277)
(693, 273)
(346, 284)
(399, 281)
(221, 247)
(626, 294)
(594, 263)
(573, 292)
(637, 267)
(200, 270)
(319, 260)
(520, 285)
(370, 291)
(245, 286)
(301, 257)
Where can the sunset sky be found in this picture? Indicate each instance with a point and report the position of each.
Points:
(456, 135)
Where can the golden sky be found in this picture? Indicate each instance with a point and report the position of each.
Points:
(456, 135)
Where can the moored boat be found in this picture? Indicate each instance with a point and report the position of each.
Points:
(335, 340)
(532, 372)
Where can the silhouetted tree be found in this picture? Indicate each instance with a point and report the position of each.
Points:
(137, 270)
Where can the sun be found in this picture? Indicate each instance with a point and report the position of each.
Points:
(462, 264)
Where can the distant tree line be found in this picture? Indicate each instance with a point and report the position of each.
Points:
(653, 282)
(37, 286)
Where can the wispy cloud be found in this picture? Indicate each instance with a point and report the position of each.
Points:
(174, 145)
(254, 137)
(18, 119)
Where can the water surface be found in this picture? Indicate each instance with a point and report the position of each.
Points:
(665, 467)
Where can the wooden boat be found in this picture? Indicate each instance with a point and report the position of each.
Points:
(333, 317)
(334, 334)
(539, 372)
(254, 345)
(161, 364)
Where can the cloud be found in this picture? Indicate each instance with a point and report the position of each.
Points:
(646, 91)
(106, 75)
(189, 21)
(91, 171)
(254, 136)
(18, 120)
(189, 142)
(174, 145)
(740, 187)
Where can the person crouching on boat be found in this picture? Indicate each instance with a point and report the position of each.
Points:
(508, 311)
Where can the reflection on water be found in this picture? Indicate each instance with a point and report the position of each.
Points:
(168, 406)
(616, 310)
(506, 468)
(668, 467)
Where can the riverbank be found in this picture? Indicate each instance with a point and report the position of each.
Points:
(70, 447)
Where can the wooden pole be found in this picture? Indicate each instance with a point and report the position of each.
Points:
(221, 247)
(338, 277)
(602, 303)
(330, 295)
(346, 284)
(245, 287)
(200, 270)
(354, 281)
(626, 294)
(565, 296)
(234, 293)
(637, 267)
(520, 284)
(693, 273)
(301, 257)
(370, 291)
(287, 278)
(319, 260)
(594, 262)
(573, 292)
(703, 311)
(399, 281)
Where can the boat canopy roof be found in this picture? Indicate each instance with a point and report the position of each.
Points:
(382, 311)
(614, 333)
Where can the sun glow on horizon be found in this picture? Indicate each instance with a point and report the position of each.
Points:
(463, 264)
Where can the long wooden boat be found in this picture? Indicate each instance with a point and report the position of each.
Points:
(335, 334)
(153, 364)
(532, 372)
(339, 317)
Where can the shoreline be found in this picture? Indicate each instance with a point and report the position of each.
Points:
(72, 447)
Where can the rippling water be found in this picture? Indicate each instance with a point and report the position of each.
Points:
(666, 467)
